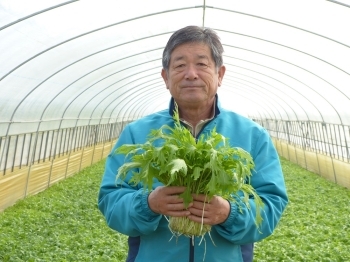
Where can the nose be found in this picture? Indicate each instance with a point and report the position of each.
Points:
(191, 73)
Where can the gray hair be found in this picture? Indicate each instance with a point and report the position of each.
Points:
(194, 34)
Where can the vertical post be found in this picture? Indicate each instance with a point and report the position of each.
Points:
(23, 145)
(14, 154)
(324, 125)
(203, 21)
(346, 142)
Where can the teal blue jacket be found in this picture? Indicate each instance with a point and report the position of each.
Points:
(126, 209)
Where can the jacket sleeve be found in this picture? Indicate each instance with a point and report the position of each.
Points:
(268, 181)
(125, 207)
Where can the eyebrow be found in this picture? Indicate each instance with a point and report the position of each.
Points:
(178, 58)
(203, 56)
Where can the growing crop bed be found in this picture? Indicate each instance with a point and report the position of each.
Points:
(64, 224)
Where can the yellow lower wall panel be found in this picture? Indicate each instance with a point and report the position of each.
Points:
(329, 168)
(326, 167)
(58, 171)
(342, 171)
(13, 188)
(311, 161)
(97, 155)
(107, 149)
(20, 182)
(74, 163)
(87, 157)
(291, 154)
(38, 177)
(284, 150)
(300, 157)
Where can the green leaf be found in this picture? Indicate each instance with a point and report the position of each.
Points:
(187, 197)
(197, 172)
(207, 166)
(175, 167)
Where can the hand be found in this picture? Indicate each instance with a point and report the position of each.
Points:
(166, 201)
(215, 211)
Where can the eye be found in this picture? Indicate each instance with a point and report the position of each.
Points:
(202, 65)
(179, 67)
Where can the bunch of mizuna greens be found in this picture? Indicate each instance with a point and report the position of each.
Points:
(207, 166)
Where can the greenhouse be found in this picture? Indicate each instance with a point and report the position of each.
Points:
(74, 73)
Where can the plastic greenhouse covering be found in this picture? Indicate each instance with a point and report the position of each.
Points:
(73, 73)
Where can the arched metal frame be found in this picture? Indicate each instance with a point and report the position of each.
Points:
(116, 77)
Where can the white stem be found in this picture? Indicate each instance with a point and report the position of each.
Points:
(202, 218)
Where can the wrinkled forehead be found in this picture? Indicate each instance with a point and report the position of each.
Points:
(196, 50)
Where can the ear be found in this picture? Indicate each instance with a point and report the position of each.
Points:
(165, 77)
(221, 73)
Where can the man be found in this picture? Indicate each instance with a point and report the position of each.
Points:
(192, 71)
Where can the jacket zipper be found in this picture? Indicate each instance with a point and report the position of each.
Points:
(191, 251)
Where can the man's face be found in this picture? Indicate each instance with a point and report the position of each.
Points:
(193, 78)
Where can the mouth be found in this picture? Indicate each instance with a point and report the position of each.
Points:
(191, 87)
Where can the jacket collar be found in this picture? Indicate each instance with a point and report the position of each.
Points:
(217, 106)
